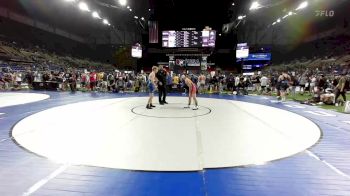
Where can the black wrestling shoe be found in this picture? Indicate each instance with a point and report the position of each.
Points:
(165, 102)
(149, 107)
(187, 107)
(161, 103)
(152, 106)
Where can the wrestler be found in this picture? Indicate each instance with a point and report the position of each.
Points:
(151, 86)
(192, 93)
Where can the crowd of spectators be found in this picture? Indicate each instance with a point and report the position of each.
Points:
(325, 79)
(22, 55)
(324, 87)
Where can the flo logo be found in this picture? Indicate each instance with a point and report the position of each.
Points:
(324, 13)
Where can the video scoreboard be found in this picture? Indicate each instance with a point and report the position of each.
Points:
(185, 39)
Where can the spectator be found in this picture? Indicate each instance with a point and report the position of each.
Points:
(302, 83)
(293, 84)
(176, 81)
(120, 85)
(110, 82)
(93, 80)
(284, 81)
(169, 82)
(340, 89)
(263, 83)
(202, 80)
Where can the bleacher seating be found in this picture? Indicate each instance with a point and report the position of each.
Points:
(43, 57)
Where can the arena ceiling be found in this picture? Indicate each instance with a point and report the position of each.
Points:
(65, 15)
(171, 14)
(177, 14)
(197, 13)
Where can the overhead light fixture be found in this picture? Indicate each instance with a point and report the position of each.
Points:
(255, 5)
(274, 23)
(278, 20)
(130, 10)
(302, 5)
(142, 18)
(290, 13)
(241, 17)
(285, 16)
(149, 10)
(128, 7)
(122, 2)
(233, 4)
(105, 21)
(96, 15)
(136, 17)
(83, 6)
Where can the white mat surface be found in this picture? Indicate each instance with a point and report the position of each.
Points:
(107, 133)
(11, 99)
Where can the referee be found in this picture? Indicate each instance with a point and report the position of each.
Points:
(161, 76)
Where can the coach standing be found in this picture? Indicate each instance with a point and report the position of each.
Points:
(161, 76)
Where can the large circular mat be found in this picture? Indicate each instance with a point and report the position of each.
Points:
(121, 133)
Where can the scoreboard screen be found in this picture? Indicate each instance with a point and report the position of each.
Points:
(136, 51)
(242, 51)
(185, 39)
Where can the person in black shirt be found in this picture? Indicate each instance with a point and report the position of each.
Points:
(72, 80)
(321, 85)
(230, 82)
(161, 76)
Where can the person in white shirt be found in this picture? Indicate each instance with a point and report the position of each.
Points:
(37, 77)
(18, 78)
(237, 81)
(263, 83)
(302, 83)
(313, 84)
